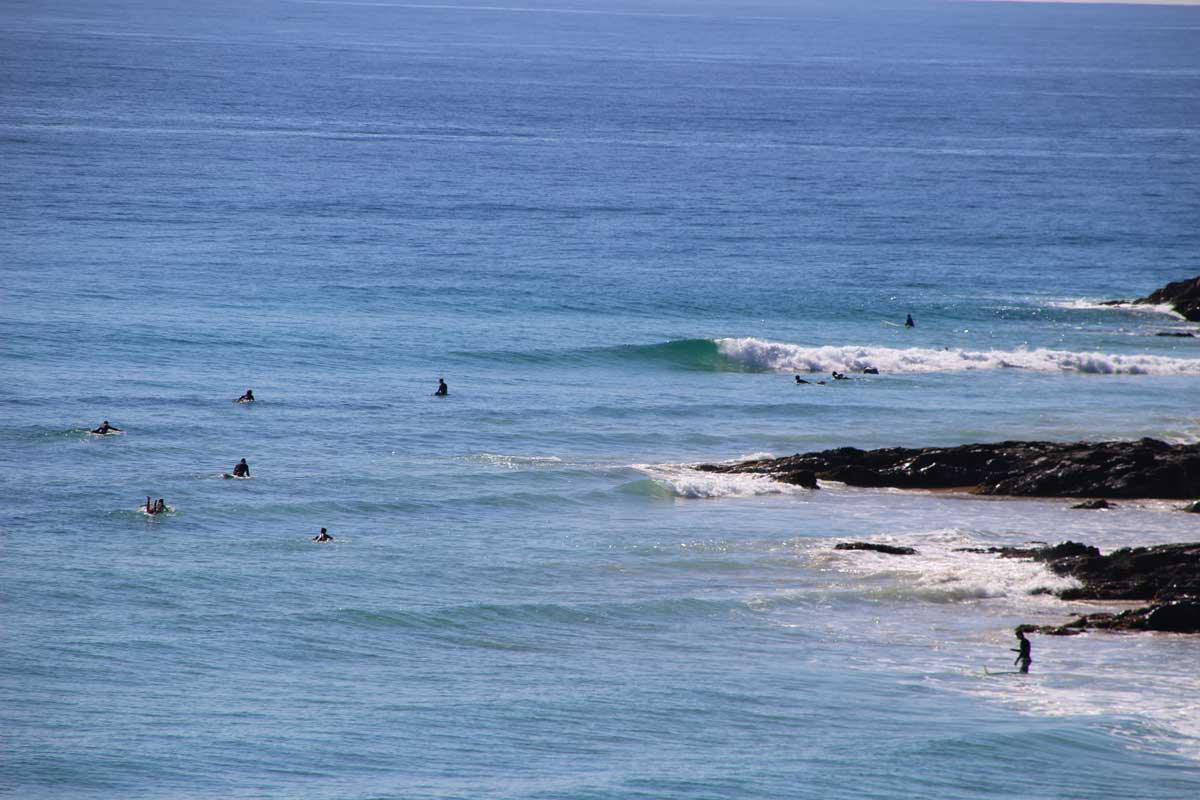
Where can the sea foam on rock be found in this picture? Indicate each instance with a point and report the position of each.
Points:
(1183, 296)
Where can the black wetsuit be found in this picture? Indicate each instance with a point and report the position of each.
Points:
(1023, 657)
(241, 469)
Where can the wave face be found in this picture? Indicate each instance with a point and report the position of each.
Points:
(760, 354)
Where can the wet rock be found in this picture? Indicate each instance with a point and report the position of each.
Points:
(1094, 504)
(879, 548)
(1183, 296)
(802, 477)
(1162, 573)
(1147, 468)
(1176, 617)
(1181, 617)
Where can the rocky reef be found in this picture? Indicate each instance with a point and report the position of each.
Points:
(1167, 576)
(1183, 296)
(1147, 468)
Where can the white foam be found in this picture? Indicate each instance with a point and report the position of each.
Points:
(682, 481)
(942, 572)
(759, 456)
(1097, 305)
(763, 354)
(517, 462)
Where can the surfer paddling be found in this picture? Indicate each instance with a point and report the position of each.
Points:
(241, 469)
(323, 536)
(1023, 657)
(106, 428)
(248, 397)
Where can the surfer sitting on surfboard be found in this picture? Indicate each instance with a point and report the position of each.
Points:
(442, 389)
(248, 397)
(106, 428)
(241, 469)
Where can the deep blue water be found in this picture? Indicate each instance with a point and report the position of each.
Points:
(617, 229)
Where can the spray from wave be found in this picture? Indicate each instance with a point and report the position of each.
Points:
(674, 480)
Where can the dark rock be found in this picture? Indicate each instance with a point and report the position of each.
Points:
(870, 371)
(1147, 468)
(1162, 573)
(1094, 504)
(1183, 296)
(1179, 617)
(1182, 335)
(879, 548)
(801, 477)
(1175, 617)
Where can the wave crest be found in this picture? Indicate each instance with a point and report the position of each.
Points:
(766, 355)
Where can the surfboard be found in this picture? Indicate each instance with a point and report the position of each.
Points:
(987, 671)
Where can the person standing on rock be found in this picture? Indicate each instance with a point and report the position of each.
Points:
(1023, 657)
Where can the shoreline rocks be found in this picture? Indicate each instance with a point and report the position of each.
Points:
(1183, 296)
(890, 549)
(1168, 576)
(1147, 468)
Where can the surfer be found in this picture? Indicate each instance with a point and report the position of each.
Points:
(442, 389)
(241, 469)
(157, 507)
(1023, 657)
(800, 380)
(106, 428)
(248, 397)
(322, 537)
(908, 322)
(870, 370)
(839, 376)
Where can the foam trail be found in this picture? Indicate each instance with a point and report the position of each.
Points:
(767, 355)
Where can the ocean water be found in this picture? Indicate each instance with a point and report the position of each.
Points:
(618, 230)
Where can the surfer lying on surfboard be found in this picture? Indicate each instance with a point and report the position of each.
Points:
(106, 428)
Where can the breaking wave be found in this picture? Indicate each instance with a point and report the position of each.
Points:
(766, 355)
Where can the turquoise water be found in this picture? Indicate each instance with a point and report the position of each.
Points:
(618, 230)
